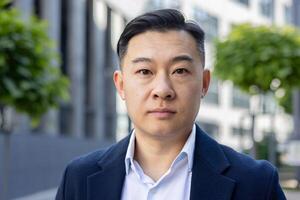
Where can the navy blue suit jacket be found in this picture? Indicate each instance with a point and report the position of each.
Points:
(219, 173)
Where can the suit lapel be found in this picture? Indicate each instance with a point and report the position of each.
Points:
(207, 179)
(107, 183)
(209, 164)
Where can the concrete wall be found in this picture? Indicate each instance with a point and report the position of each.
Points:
(31, 163)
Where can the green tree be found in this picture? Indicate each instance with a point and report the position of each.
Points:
(30, 79)
(261, 59)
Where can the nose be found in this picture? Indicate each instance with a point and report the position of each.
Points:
(163, 89)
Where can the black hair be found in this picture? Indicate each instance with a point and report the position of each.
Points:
(160, 20)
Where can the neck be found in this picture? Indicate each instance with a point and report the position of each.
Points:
(155, 156)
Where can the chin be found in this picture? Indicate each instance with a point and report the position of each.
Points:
(162, 131)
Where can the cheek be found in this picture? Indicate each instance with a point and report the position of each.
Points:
(134, 96)
(189, 99)
(190, 92)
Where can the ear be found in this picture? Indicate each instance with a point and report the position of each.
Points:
(118, 80)
(206, 81)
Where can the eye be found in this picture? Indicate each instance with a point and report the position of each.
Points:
(144, 72)
(180, 71)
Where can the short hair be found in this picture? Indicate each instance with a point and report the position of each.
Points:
(161, 20)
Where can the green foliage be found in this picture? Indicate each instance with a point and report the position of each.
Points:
(286, 101)
(254, 57)
(30, 79)
(3, 3)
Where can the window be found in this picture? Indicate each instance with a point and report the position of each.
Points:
(208, 22)
(288, 16)
(63, 35)
(240, 131)
(210, 128)
(269, 104)
(212, 96)
(37, 7)
(158, 4)
(240, 99)
(266, 8)
(244, 2)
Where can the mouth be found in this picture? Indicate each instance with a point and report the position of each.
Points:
(162, 113)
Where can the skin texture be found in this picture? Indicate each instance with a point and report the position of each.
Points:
(162, 82)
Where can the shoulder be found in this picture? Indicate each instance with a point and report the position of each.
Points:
(223, 157)
(88, 163)
(75, 176)
(74, 180)
(245, 163)
(254, 177)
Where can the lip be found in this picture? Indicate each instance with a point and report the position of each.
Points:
(162, 113)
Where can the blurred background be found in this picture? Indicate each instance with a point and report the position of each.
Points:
(71, 107)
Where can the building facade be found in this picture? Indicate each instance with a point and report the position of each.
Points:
(86, 33)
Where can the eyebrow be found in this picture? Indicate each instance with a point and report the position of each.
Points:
(173, 60)
(141, 59)
(182, 58)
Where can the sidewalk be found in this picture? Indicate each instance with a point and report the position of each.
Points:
(43, 195)
(292, 195)
(290, 190)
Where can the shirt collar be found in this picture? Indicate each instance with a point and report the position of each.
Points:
(188, 149)
(130, 152)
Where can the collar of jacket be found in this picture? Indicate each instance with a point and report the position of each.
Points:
(208, 180)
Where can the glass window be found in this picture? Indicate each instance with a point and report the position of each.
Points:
(288, 14)
(158, 4)
(240, 131)
(240, 99)
(266, 8)
(210, 128)
(37, 8)
(269, 104)
(208, 22)
(244, 2)
(212, 96)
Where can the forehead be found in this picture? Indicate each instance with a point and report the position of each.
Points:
(162, 44)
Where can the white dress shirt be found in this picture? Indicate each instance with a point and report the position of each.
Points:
(175, 184)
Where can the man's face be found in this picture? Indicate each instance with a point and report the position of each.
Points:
(161, 81)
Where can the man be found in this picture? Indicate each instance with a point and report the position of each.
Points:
(162, 80)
